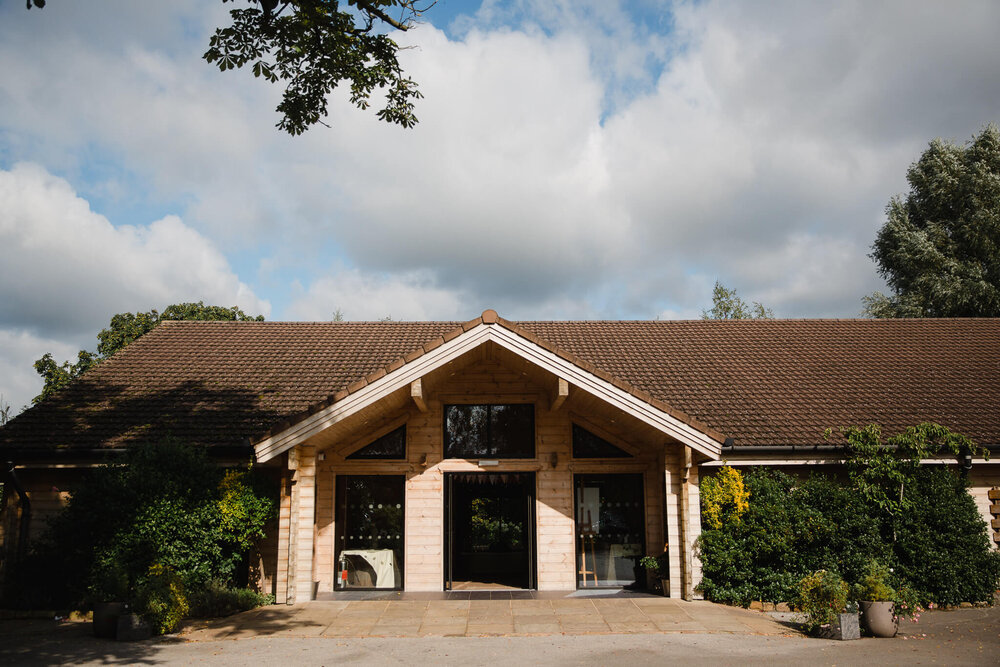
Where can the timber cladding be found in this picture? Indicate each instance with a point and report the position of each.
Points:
(487, 381)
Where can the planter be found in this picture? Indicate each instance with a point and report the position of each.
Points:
(877, 618)
(106, 619)
(845, 627)
(665, 587)
(132, 628)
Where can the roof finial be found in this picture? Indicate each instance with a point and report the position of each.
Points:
(490, 316)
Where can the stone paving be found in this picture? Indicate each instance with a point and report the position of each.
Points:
(487, 618)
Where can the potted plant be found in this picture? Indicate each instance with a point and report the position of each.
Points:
(823, 596)
(109, 590)
(882, 605)
(659, 567)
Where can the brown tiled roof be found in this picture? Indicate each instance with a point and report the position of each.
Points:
(774, 382)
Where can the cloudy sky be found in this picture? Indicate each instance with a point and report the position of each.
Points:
(574, 159)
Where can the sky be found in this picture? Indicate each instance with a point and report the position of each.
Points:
(574, 159)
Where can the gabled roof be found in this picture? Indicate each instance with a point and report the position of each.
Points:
(764, 382)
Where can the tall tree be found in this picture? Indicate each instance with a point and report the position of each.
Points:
(313, 46)
(939, 249)
(122, 330)
(727, 305)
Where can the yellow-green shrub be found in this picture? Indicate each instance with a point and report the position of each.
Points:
(724, 498)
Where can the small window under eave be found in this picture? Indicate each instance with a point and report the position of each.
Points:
(392, 445)
(586, 445)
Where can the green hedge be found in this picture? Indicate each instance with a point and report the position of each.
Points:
(794, 527)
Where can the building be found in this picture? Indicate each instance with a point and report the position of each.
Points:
(551, 455)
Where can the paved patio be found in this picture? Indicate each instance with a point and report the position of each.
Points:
(486, 618)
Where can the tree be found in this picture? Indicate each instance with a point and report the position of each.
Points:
(122, 330)
(4, 411)
(939, 249)
(726, 305)
(313, 46)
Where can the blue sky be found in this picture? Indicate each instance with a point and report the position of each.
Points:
(574, 159)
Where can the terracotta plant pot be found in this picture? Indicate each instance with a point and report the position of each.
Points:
(877, 618)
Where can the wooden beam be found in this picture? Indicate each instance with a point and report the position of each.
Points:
(686, 542)
(562, 392)
(417, 394)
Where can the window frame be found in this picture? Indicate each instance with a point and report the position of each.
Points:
(446, 434)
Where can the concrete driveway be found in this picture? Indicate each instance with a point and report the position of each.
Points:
(962, 637)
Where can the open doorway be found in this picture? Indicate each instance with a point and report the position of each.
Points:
(491, 531)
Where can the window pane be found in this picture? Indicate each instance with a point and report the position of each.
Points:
(610, 529)
(489, 431)
(369, 531)
(466, 431)
(586, 445)
(389, 446)
(512, 431)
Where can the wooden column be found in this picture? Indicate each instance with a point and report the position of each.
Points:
(686, 541)
(284, 530)
(302, 464)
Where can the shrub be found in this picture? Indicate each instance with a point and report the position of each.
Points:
(822, 596)
(789, 529)
(160, 599)
(216, 599)
(874, 584)
(724, 498)
(942, 547)
(165, 504)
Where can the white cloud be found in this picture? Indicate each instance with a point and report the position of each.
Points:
(360, 296)
(555, 172)
(18, 351)
(66, 269)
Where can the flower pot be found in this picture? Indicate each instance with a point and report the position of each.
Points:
(665, 587)
(106, 619)
(878, 619)
(132, 628)
(844, 627)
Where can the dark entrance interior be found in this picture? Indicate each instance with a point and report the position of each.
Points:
(491, 530)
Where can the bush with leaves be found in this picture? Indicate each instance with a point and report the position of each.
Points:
(217, 599)
(790, 528)
(822, 595)
(942, 548)
(724, 498)
(918, 520)
(160, 599)
(165, 504)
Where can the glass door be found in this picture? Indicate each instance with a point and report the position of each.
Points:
(369, 532)
(610, 530)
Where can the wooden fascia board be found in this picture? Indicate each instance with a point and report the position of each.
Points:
(271, 447)
(606, 391)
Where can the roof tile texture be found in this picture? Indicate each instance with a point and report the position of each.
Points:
(763, 382)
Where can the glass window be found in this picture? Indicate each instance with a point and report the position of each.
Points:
(489, 431)
(610, 529)
(389, 446)
(586, 445)
(369, 531)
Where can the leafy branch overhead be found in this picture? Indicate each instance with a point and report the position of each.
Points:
(314, 46)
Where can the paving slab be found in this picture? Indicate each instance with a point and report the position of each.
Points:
(477, 618)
